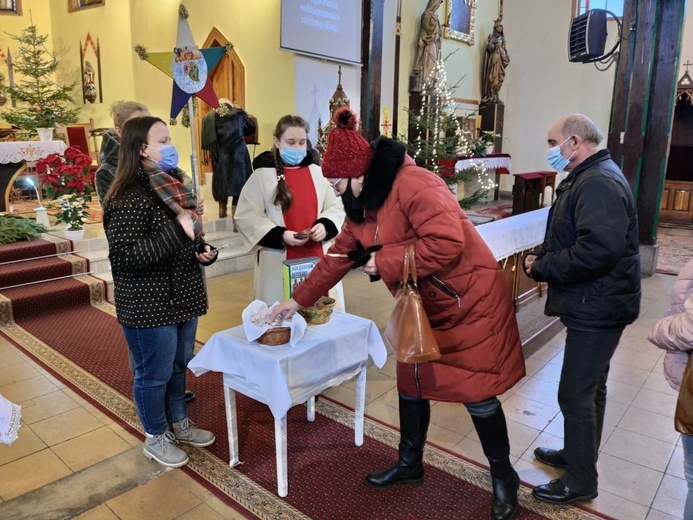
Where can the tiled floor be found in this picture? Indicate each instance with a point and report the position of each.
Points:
(66, 442)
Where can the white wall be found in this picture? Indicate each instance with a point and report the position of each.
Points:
(541, 85)
(316, 81)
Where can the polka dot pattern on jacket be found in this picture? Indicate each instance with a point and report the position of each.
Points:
(157, 278)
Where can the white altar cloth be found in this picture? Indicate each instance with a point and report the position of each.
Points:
(511, 235)
(490, 162)
(30, 151)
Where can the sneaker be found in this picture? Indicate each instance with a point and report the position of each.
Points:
(162, 449)
(185, 431)
(189, 396)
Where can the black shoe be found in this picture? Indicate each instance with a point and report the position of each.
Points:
(397, 474)
(551, 457)
(189, 396)
(505, 505)
(556, 492)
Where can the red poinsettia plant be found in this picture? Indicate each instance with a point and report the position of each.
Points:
(67, 179)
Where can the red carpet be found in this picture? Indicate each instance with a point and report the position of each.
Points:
(77, 337)
(497, 209)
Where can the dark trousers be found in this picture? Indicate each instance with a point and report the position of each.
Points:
(582, 398)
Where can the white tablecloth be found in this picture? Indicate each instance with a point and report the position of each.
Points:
(10, 414)
(511, 235)
(492, 162)
(278, 374)
(31, 151)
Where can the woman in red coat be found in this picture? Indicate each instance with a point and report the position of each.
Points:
(390, 202)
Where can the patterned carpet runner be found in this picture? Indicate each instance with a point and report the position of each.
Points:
(675, 249)
(66, 325)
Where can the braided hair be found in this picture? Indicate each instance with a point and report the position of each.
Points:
(282, 195)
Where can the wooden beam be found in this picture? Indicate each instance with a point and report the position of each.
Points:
(622, 85)
(643, 102)
(371, 71)
(670, 16)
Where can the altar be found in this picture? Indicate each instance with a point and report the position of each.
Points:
(13, 158)
(509, 239)
(496, 163)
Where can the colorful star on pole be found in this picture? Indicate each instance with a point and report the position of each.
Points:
(187, 66)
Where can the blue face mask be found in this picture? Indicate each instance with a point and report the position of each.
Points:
(556, 159)
(169, 157)
(292, 156)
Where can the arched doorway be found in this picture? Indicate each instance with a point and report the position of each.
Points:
(228, 80)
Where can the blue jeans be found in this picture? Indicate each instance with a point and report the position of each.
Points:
(582, 398)
(687, 442)
(161, 356)
(484, 409)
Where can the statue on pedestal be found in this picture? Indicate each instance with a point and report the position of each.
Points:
(428, 47)
(496, 60)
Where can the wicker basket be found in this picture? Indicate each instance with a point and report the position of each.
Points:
(275, 336)
(320, 312)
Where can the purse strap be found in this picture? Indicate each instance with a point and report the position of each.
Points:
(409, 264)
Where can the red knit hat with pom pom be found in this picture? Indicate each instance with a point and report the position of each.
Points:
(348, 153)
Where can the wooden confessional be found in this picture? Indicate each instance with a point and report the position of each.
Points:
(677, 197)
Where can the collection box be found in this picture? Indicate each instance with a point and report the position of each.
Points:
(295, 271)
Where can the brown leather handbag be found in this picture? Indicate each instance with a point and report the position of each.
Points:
(409, 332)
(683, 419)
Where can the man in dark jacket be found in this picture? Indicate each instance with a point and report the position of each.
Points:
(590, 259)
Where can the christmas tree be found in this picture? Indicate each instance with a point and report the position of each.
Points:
(42, 102)
(441, 139)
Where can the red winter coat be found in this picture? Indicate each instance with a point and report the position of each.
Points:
(465, 296)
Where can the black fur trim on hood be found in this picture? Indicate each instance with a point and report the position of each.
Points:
(388, 157)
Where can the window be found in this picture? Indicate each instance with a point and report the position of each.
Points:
(76, 5)
(582, 6)
(10, 6)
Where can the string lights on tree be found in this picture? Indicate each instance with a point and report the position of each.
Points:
(441, 140)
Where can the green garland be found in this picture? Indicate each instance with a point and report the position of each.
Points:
(14, 229)
(141, 52)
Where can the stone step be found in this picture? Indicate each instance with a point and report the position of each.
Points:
(96, 250)
(219, 232)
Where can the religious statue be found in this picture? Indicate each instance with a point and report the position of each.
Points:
(88, 85)
(428, 46)
(495, 62)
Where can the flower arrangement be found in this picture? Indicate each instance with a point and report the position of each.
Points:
(67, 179)
(481, 143)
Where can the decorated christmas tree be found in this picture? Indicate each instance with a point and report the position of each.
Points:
(41, 101)
(441, 140)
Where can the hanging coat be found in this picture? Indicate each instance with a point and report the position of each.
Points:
(228, 151)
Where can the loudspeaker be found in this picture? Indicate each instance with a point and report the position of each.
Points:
(587, 36)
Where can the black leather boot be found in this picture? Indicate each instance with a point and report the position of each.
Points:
(414, 417)
(493, 434)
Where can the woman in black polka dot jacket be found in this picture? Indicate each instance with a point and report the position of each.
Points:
(159, 286)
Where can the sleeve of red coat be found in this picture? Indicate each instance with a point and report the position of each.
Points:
(434, 214)
(328, 271)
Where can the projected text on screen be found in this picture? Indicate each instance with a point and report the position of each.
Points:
(324, 28)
